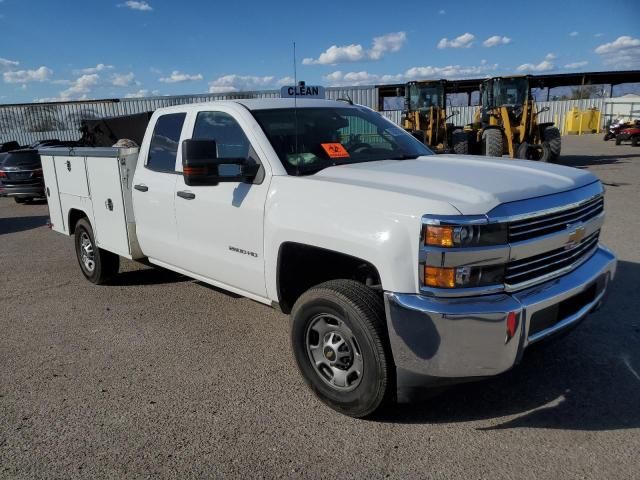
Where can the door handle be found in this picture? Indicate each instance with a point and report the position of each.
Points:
(186, 195)
(141, 188)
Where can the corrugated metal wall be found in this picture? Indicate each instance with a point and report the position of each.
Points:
(29, 123)
(557, 110)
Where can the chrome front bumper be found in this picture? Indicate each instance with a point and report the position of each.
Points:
(460, 338)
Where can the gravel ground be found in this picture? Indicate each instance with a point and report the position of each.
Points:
(158, 375)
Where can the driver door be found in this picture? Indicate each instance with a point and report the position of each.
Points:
(220, 228)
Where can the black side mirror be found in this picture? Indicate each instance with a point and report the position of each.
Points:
(201, 165)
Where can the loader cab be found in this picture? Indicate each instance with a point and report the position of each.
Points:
(510, 92)
(421, 96)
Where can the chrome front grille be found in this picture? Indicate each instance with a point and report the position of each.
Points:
(534, 227)
(549, 263)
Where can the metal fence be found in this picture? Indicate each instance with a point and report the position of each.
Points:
(32, 122)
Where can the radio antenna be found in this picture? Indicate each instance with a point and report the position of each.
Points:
(295, 107)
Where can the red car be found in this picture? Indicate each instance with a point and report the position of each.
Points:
(632, 134)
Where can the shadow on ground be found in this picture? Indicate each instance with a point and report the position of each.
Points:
(588, 380)
(580, 161)
(21, 224)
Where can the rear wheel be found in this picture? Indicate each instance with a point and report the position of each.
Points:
(551, 136)
(460, 142)
(341, 347)
(492, 145)
(635, 141)
(97, 265)
(618, 140)
(19, 199)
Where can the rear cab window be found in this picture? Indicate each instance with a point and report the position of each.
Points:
(165, 141)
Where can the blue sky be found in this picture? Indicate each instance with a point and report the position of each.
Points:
(72, 49)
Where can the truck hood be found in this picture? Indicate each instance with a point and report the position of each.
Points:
(472, 185)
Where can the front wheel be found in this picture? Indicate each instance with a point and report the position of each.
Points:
(460, 142)
(492, 143)
(97, 265)
(551, 136)
(341, 347)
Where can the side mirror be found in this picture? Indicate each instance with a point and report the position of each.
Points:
(201, 165)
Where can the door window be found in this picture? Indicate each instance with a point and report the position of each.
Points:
(164, 142)
(225, 131)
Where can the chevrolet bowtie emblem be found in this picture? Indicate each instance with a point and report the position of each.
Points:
(575, 237)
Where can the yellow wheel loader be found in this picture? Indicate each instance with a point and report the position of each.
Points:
(507, 122)
(425, 117)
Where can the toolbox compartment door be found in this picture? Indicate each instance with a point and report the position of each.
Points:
(110, 224)
(71, 175)
(53, 197)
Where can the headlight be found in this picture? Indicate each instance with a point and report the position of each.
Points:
(463, 277)
(464, 235)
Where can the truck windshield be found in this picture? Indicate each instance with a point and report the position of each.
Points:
(310, 139)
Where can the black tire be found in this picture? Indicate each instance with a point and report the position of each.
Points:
(460, 142)
(538, 153)
(618, 140)
(361, 310)
(635, 141)
(19, 199)
(551, 136)
(608, 136)
(102, 265)
(492, 145)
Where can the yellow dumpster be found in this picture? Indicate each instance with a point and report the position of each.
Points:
(578, 122)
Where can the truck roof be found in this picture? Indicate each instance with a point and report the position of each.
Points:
(274, 103)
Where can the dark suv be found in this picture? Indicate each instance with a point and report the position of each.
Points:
(21, 175)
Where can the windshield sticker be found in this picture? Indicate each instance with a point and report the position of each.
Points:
(335, 150)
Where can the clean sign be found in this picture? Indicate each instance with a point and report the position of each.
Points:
(302, 91)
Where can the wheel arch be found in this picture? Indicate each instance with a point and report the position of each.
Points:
(301, 266)
(74, 215)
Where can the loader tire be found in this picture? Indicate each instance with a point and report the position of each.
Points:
(551, 136)
(460, 142)
(492, 145)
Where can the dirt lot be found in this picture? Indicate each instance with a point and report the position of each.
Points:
(160, 376)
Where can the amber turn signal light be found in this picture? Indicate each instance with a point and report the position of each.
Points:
(438, 236)
(439, 277)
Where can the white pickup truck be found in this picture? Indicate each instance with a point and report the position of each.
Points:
(400, 269)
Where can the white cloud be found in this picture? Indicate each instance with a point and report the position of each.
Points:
(134, 5)
(442, 11)
(6, 64)
(463, 41)
(597, 35)
(391, 42)
(98, 68)
(80, 87)
(496, 40)
(550, 56)
(574, 34)
(178, 77)
(622, 52)
(122, 79)
(576, 65)
(543, 66)
(140, 93)
(340, 78)
(41, 74)
(238, 83)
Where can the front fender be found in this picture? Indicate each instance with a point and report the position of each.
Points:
(380, 227)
